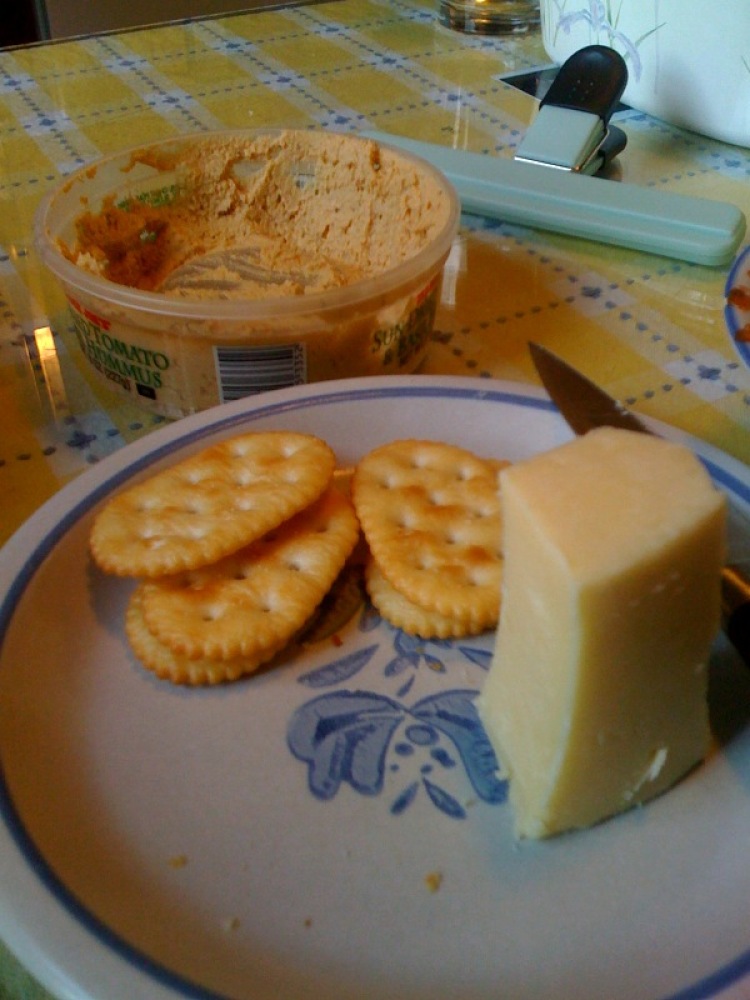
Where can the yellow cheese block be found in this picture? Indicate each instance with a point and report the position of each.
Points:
(596, 697)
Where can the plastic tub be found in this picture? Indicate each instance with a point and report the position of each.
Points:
(176, 356)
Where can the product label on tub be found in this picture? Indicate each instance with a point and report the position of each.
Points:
(175, 370)
(130, 366)
(175, 376)
(404, 340)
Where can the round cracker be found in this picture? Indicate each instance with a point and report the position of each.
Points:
(257, 597)
(171, 666)
(430, 513)
(211, 504)
(404, 614)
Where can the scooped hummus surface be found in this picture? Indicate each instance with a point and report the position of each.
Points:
(273, 215)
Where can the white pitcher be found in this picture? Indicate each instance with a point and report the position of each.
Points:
(688, 60)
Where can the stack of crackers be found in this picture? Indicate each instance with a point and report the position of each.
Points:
(430, 513)
(236, 547)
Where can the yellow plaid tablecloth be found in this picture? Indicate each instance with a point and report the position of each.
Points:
(649, 329)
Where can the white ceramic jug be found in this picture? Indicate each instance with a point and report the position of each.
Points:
(688, 60)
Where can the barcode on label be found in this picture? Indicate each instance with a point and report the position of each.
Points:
(243, 371)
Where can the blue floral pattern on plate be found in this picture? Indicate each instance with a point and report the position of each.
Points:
(434, 745)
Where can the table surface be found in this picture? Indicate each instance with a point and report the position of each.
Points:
(649, 329)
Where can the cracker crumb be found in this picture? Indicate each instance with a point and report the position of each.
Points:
(178, 861)
(232, 924)
(308, 921)
(433, 881)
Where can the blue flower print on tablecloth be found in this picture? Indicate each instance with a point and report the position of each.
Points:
(362, 737)
(603, 20)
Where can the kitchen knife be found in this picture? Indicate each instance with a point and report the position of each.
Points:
(585, 406)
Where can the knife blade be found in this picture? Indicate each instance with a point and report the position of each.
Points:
(584, 406)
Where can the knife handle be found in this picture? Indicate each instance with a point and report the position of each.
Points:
(735, 601)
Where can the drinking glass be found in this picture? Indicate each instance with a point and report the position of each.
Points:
(490, 17)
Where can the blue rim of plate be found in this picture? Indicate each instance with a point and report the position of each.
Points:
(298, 398)
(732, 315)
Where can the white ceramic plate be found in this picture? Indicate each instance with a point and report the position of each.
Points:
(334, 827)
(738, 318)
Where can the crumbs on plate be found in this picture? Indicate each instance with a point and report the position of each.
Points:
(433, 881)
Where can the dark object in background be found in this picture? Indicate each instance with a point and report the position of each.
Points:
(19, 24)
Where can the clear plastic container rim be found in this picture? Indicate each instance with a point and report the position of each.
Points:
(360, 292)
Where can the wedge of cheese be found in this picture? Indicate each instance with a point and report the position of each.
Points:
(596, 697)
